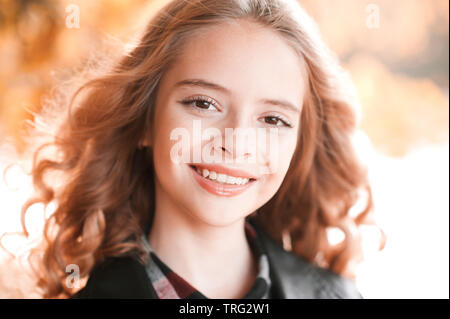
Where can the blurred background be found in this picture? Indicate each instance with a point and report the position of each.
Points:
(397, 53)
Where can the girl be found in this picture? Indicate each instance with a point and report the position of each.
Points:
(140, 219)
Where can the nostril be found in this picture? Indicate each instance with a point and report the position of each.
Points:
(224, 149)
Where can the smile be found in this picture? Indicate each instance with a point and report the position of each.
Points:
(222, 181)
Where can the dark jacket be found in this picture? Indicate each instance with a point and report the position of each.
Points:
(292, 277)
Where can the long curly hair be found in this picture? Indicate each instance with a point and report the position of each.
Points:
(106, 193)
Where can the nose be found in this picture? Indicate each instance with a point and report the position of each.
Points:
(239, 139)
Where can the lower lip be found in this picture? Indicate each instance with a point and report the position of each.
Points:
(215, 188)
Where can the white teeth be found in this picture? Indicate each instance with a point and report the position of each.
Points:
(222, 178)
(231, 180)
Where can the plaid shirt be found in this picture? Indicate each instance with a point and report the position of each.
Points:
(169, 285)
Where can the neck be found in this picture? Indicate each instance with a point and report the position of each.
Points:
(216, 260)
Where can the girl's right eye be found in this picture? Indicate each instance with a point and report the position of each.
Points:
(201, 103)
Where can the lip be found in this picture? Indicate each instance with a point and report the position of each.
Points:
(227, 190)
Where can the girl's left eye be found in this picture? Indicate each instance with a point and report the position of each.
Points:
(201, 103)
(276, 121)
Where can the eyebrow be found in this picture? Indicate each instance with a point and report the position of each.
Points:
(217, 87)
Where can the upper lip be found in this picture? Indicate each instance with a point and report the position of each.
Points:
(224, 170)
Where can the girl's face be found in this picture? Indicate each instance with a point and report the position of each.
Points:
(228, 77)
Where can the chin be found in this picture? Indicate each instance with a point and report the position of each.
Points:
(217, 215)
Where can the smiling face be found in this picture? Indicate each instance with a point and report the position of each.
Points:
(229, 76)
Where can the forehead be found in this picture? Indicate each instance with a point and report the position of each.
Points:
(243, 57)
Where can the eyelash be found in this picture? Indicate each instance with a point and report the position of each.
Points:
(282, 119)
(200, 99)
(189, 102)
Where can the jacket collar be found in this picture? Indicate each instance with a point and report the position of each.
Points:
(292, 277)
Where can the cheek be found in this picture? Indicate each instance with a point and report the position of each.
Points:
(169, 123)
(280, 153)
(166, 170)
(280, 160)
(286, 150)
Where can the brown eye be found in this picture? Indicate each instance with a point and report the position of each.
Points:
(275, 121)
(272, 120)
(202, 104)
